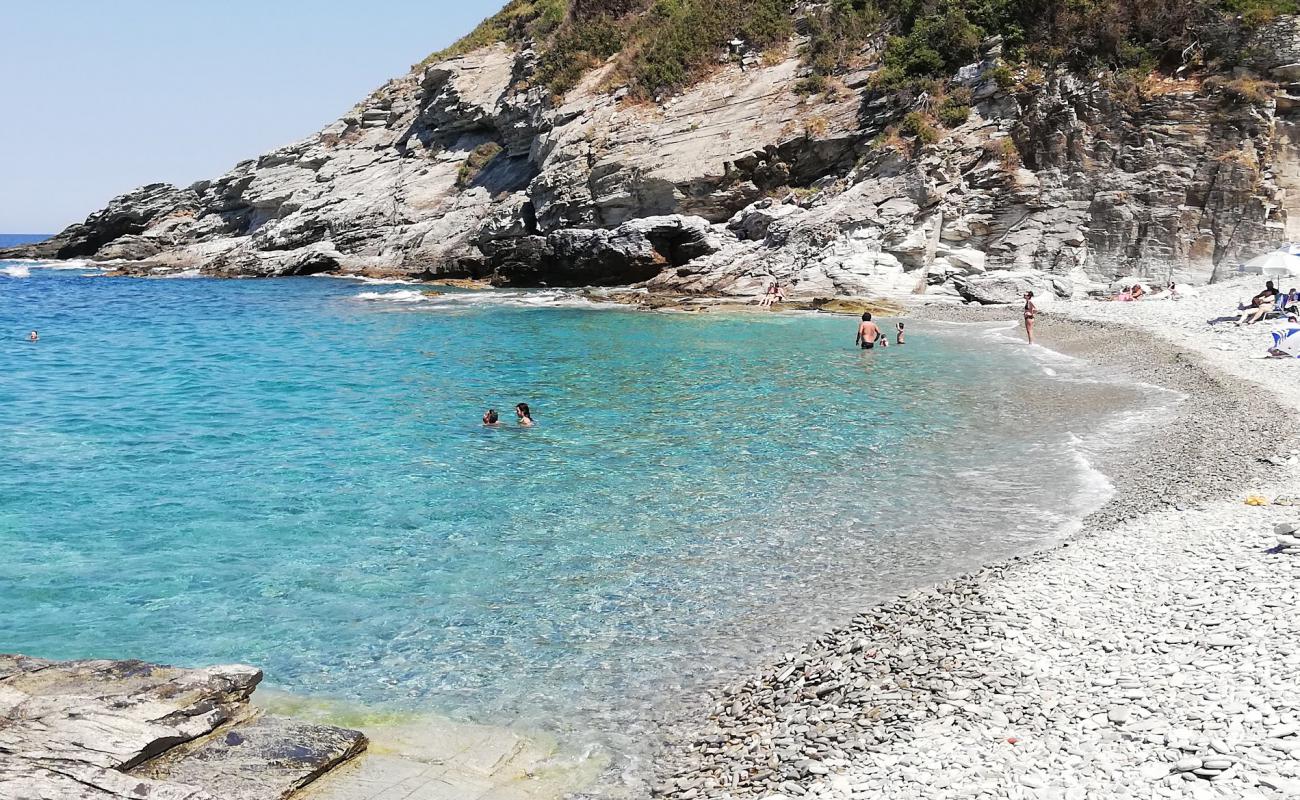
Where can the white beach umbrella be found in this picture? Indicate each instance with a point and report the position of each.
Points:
(1287, 340)
(1277, 264)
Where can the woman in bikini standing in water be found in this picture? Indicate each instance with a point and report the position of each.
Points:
(1030, 311)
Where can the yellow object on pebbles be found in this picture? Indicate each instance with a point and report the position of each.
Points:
(1256, 500)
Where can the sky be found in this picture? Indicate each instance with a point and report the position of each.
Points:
(98, 97)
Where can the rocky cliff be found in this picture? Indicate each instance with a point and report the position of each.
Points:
(1055, 179)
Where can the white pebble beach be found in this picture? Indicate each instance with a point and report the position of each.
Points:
(1154, 654)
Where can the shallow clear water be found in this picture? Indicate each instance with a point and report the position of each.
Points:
(292, 473)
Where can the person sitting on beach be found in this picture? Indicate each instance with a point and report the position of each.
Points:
(899, 338)
(490, 419)
(773, 295)
(1130, 293)
(1259, 306)
(33, 337)
(1289, 303)
(525, 416)
(1270, 291)
(868, 332)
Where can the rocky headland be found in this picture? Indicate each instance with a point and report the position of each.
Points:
(988, 167)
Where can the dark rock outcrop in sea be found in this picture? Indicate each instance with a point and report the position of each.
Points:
(469, 167)
(128, 729)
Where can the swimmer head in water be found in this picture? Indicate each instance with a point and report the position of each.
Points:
(525, 416)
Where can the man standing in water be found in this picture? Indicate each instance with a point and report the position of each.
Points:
(868, 332)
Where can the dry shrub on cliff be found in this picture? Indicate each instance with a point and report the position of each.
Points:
(815, 126)
(1005, 151)
(517, 21)
(920, 128)
(1243, 91)
(1243, 159)
(475, 163)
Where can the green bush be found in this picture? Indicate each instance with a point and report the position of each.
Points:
(813, 84)
(836, 31)
(915, 124)
(1003, 76)
(1258, 12)
(576, 48)
(955, 108)
(677, 41)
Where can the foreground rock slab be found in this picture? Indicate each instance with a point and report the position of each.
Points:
(111, 729)
(265, 759)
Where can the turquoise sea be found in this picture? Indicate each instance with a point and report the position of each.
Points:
(292, 473)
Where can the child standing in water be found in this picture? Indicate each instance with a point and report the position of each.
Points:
(899, 338)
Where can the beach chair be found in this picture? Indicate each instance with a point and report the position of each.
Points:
(1282, 307)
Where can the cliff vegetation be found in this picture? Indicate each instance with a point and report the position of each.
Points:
(663, 46)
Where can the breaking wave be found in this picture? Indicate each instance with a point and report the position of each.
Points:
(547, 298)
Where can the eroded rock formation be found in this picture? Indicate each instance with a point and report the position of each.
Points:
(105, 730)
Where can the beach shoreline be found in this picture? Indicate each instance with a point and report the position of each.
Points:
(946, 687)
(866, 709)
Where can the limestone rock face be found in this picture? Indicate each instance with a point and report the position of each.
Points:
(463, 167)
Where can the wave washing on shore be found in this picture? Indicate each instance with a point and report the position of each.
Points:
(453, 299)
(273, 472)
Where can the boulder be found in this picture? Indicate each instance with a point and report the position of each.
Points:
(1004, 286)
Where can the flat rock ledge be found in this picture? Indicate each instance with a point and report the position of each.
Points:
(98, 730)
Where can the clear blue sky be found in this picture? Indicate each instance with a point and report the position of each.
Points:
(101, 96)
